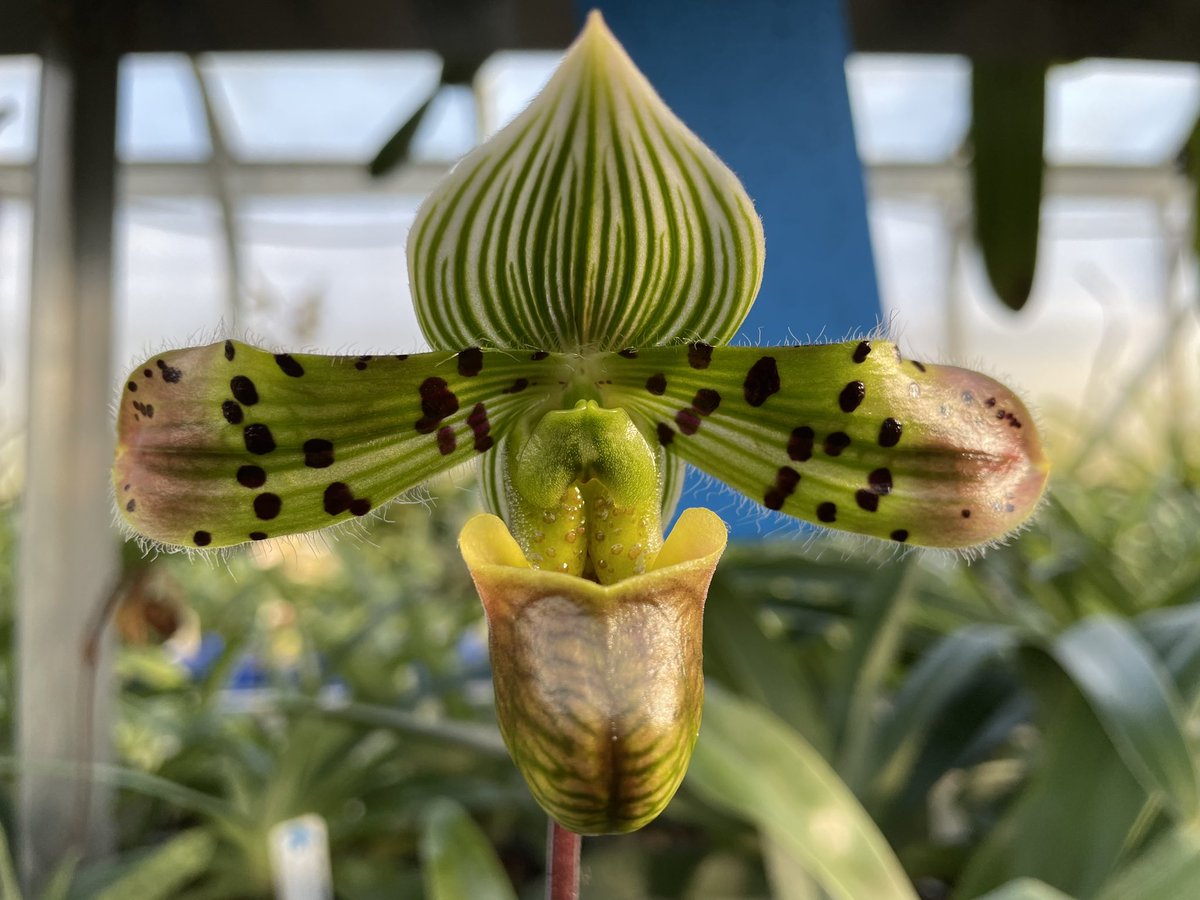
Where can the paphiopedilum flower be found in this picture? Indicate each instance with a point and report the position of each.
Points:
(580, 276)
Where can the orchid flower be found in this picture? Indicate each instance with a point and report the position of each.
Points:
(580, 276)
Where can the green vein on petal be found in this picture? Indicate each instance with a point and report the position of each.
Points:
(595, 220)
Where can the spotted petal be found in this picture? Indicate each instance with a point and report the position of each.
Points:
(844, 435)
(594, 220)
(228, 443)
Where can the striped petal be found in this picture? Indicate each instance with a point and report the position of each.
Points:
(594, 220)
(848, 436)
(227, 443)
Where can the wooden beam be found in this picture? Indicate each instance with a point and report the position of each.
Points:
(457, 29)
(1037, 30)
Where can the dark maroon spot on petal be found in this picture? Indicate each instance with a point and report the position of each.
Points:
(699, 355)
(761, 381)
(836, 443)
(538, 355)
(229, 350)
(146, 409)
(628, 353)
(688, 421)
(889, 433)
(361, 506)
(258, 535)
(147, 373)
(258, 439)
(867, 500)
(401, 357)
(170, 374)
(880, 481)
(862, 351)
(851, 396)
(786, 480)
(131, 506)
(773, 498)
(517, 386)
(446, 441)
(318, 453)
(989, 402)
(437, 402)
(290, 367)
(966, 514)
(337, 498)
(251, 476)
(243, 390)
(665, 433)
(470, 362)
(132, 386)
(657, 384)
(267, 506)
(900, 534)
(128, 486)
(201, 538)
(232, 412)
(919, 366)
(480, 426)
(361, 365)
(706, 401)
(827, 512)
(800, 444)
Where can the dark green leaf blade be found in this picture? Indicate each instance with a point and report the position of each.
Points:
(457, 860)
(1007, 127)
(752, 764)
(1136, 703)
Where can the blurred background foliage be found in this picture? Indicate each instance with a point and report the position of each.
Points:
(1017, 724)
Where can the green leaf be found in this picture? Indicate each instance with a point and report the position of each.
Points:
(457, 860)
(1007, 125)
(1169, 869)
(751, 764)
(860, 672)
(845, 435)
(58, 886)
(594, 220)
(1026, 889)
(930, 686)
(161, 874)
(227, 443)
(9, 887)
(787, 875)
(1079, 780)
(395, 150)
(744, 659)
(1136, 703)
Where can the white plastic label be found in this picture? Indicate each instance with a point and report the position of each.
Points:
(300, 859)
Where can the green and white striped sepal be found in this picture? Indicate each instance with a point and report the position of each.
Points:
(596, 220)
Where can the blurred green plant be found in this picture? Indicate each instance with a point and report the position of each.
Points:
(1009, 728)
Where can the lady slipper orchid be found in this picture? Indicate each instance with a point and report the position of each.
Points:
(580, 276)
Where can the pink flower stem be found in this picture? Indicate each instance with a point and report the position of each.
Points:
(562, 859)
